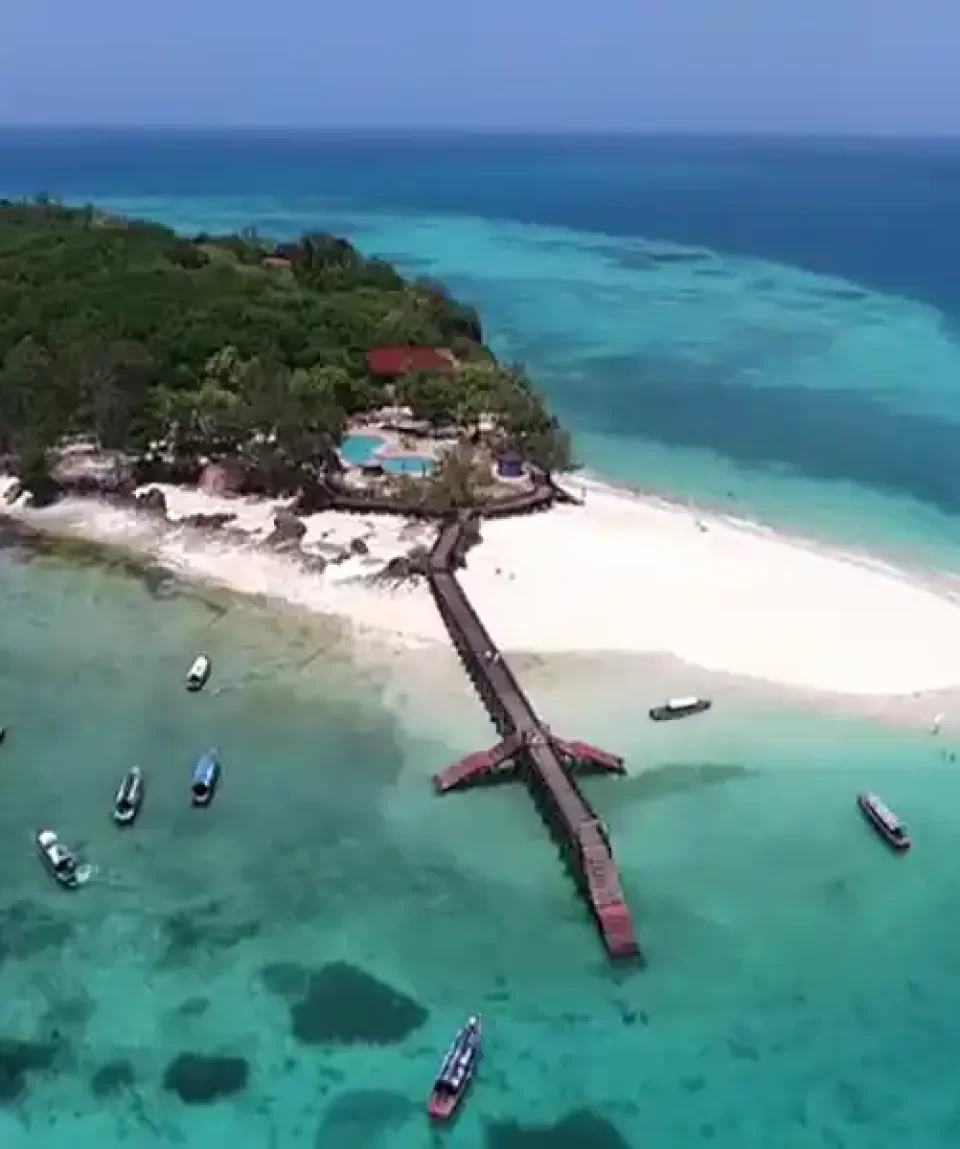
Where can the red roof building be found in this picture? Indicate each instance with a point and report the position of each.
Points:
(393, 361)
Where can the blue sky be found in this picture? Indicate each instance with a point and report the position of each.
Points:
(875, 66)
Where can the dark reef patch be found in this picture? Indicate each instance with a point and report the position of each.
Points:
(578, 1130)
(28, 929)
(187, 931)
(18, 1059)
(357, 1119)
(112, 1077)
(286, 979)
(200, 1080)
(341, 1004)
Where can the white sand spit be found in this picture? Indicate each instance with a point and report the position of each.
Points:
(622, 574)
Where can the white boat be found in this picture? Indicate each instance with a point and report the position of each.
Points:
(680, 708)
(199, 672)
(126, 805)
(60, 861)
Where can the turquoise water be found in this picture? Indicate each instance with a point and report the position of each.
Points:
(359, 449)
(723, 321)
(792, 960)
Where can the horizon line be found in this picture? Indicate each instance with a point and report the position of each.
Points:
(401, 130)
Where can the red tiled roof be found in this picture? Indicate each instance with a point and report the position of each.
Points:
(398, 360)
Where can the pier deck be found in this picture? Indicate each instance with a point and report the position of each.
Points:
(535, 753)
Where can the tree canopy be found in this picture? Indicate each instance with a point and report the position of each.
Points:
(126, 331)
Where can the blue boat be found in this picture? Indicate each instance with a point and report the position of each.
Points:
(206, 775)
(456, 1072)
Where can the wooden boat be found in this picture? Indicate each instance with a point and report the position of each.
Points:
(206, 777)
(679, 708)
(199, 672)
(456, 1072)
(129, 799)
(884, 821)
(60, 861)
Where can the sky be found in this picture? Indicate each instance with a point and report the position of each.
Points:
(816, 66)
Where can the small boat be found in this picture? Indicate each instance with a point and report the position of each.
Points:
(680, 708)
(60, 861)
(129, 799)
(884, 821)
(206, 775)
(199, 672)
(456, 1072)
(3, 733)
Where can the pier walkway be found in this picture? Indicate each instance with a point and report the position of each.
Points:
(529, 749)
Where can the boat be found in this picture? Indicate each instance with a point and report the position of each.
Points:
(206, 775)
(3, 733)
(680, 708)
(884, 821)
(199, 672)
(129, 799)
(456, 1072)
(60, 861)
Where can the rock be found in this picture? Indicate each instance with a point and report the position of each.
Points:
(359, 547)
(314, 564)
(200, 1080)
(287, 531)
(154, 501)
(14, 493)
(211, 522)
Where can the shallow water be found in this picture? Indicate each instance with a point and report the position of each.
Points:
(791, 959)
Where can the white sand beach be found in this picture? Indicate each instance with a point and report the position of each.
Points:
(623, 574)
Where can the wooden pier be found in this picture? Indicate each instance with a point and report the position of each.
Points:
(530, 751)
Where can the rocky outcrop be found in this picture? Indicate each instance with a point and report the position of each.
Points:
(211, 522)
(358, 546)
(287, 532)
(153, 501)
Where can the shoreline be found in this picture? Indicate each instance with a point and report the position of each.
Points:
(625, 575)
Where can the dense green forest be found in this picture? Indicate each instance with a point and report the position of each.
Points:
(126, 331)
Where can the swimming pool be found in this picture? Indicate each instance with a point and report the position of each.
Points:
(362, 449)
(359, 449)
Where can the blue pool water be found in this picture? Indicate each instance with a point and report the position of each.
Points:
(359, 449)
(406, 464)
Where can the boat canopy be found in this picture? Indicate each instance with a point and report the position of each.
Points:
(682, 703)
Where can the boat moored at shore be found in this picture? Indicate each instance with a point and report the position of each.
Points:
(884, 821)
(60, 861)
(679, 708)
(198, 673)
(129, 799)
(206, 777)
(456, 1072)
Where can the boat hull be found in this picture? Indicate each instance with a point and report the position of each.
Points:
(899, 843)
(442, 1106)
(129, 799)
(672, 713)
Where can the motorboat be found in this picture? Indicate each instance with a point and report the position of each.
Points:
(884, 821)
(129, 799)
(206, 776)
(60, 861)
(199, 672)
(680, 708)
(456, 1072)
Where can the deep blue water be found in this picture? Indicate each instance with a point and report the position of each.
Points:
(767, 325)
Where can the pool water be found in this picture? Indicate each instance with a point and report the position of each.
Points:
(361, 450)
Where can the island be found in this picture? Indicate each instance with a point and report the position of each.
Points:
(302, 368)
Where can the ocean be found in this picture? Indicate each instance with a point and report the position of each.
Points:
(765, 327)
